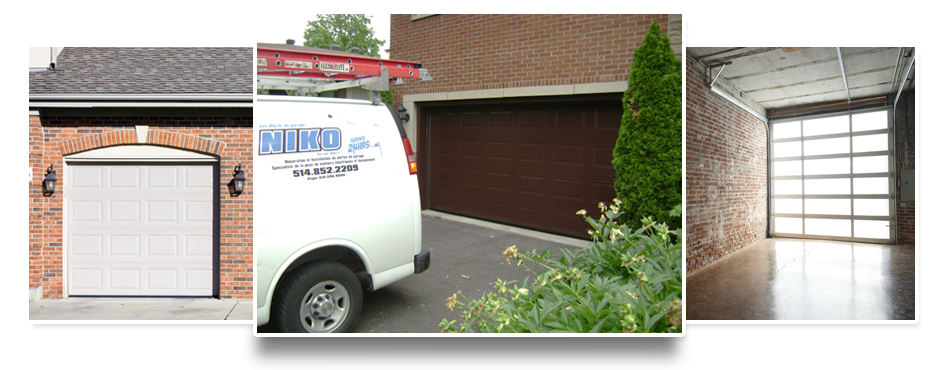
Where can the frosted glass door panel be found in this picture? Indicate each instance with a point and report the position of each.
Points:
(821, 226)
(791, 149)
(872, 229)
(788, 187)
(786, 130)
(788, 206)
(788, 168)
(839, 145)
(834, 166)
(870, 164)
(826, 126)
(871, 207)
(788, 225)
(870, 121)
(874, 185)
(827, 186)
(869, 143)
(829, 206)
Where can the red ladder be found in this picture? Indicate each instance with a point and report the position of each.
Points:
(306, 70)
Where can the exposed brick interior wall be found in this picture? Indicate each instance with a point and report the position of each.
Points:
(726, 174)
(904, 137)
(228, 138)
(465, 52)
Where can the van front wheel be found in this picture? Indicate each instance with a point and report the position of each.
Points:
(321, 297)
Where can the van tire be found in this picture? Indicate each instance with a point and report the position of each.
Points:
(319, 297)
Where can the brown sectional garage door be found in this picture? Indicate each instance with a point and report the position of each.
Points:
(527, 164)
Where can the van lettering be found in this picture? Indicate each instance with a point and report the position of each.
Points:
(304, 140)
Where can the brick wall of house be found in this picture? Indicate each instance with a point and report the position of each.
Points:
(229, 138)
(465, 52)
(726, 174)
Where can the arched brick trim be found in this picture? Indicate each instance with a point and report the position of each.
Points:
(190, 142)
(94, 141)
(157, 137)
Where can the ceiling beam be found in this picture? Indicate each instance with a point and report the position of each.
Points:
(738, 55)
(817, 107)
(844, 79)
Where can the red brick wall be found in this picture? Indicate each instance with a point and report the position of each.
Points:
(229, 138)
(905, 136)
(726, 174)
(475, 52)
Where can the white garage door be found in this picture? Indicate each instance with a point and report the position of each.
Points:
(140, 230)
(833, 178)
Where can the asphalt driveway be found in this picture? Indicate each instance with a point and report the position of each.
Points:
(466, 255)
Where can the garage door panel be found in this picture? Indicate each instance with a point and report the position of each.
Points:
(86, 245)
(570, 119)
(471, 120)
(199, 178)
(162, 178)
(500, 119)
(129, 239)
(124, 178)
(87, 178)
(608, 119)
(534, 153)
(471, 149)
(86, 211)
(163, 245)
(536, 119)
(538, 160)
(569, 155)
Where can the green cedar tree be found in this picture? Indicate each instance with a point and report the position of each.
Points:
(648, 152)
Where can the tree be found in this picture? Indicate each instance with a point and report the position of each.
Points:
(648, 152)
(345, 30)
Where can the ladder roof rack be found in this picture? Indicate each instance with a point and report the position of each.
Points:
(311, 70)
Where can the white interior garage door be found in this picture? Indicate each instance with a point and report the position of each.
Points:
(140, 230)
(833, 178)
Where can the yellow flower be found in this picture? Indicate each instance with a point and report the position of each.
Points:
(601, 206)
(509, 252)
(581, 212)
(451, 302)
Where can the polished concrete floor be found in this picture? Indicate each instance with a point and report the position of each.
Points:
(795, 279)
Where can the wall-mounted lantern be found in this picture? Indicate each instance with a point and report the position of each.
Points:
(237, 185)
(403, 114)
(48, 183)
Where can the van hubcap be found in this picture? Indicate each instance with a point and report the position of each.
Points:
(325, 307)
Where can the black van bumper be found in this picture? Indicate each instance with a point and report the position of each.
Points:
(422, 261)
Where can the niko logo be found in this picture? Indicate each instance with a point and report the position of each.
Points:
(299, 140)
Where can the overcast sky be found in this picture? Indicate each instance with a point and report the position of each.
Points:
(291, 25)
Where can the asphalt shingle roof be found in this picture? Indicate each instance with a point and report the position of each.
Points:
(147, 71)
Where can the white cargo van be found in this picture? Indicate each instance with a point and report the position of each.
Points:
(336, 209)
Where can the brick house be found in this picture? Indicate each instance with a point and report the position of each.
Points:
(519, 122)
(144, 143)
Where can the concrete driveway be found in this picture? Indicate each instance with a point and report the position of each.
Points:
(141, 309)
(466, 255)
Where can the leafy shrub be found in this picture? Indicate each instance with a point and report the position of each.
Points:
(648, 152)
(627, 281)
